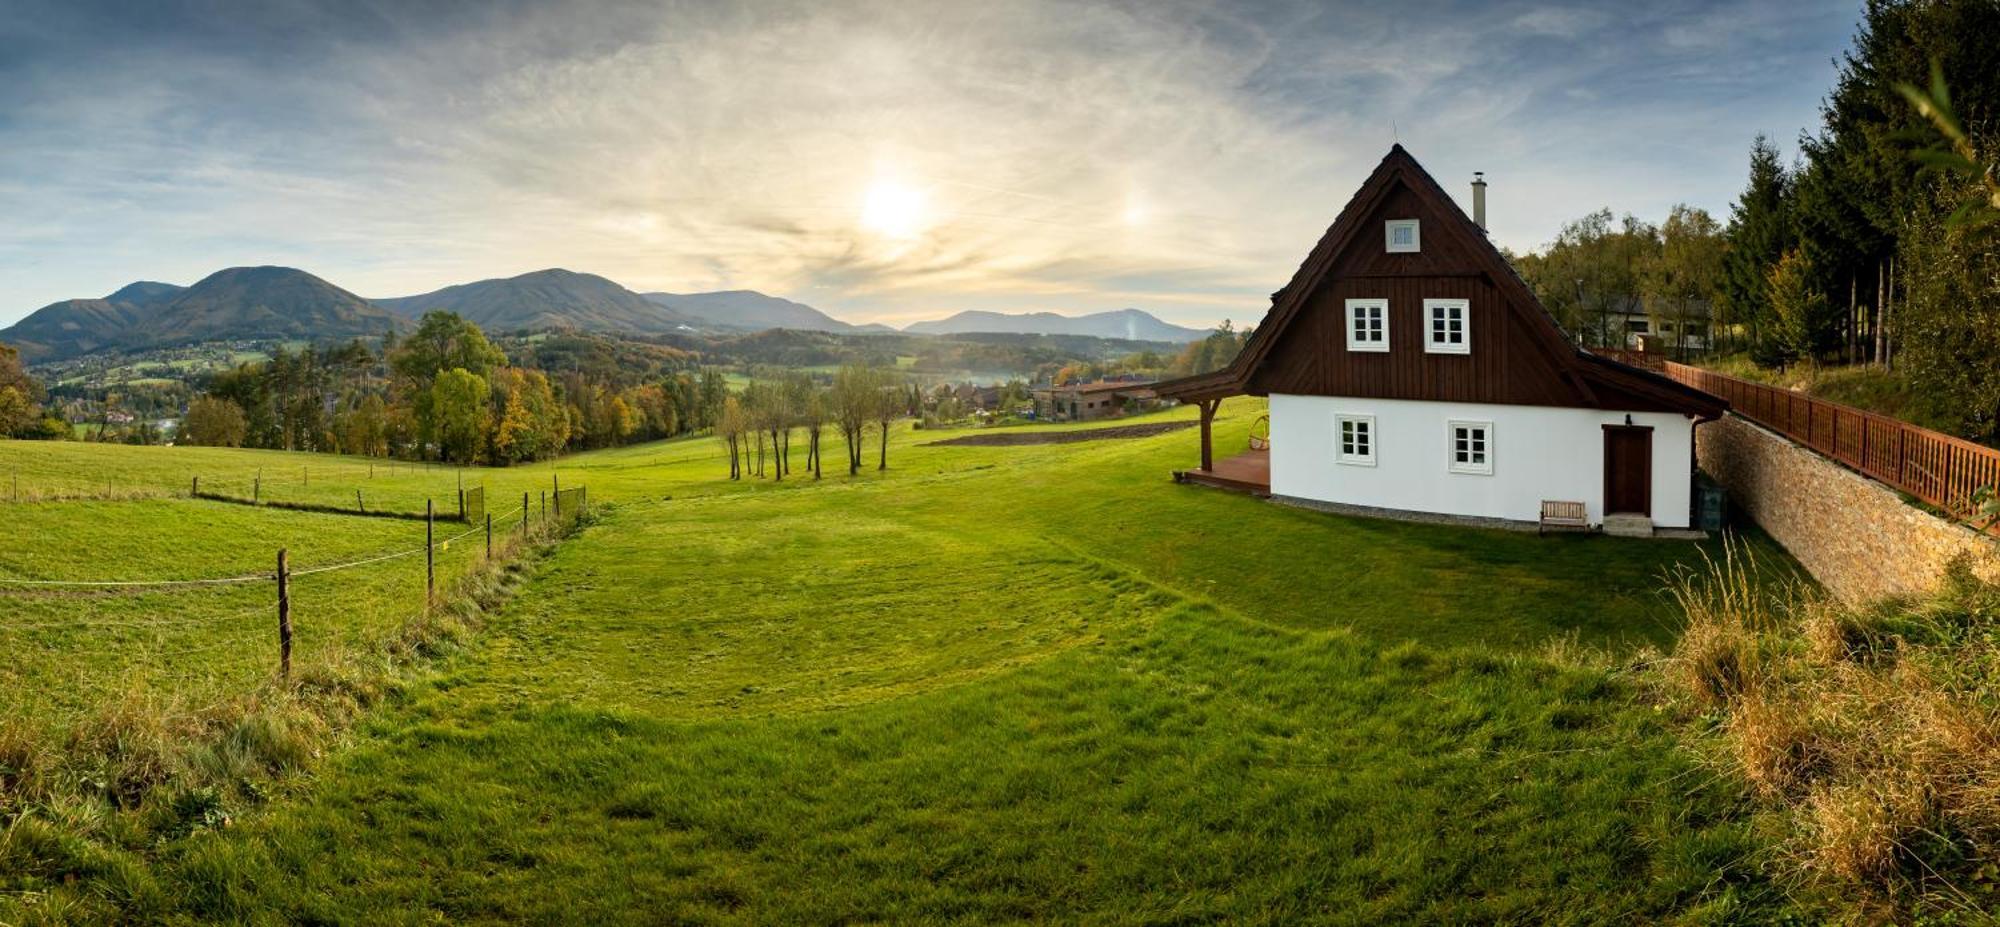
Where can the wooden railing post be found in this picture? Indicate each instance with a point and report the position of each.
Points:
(430, 556)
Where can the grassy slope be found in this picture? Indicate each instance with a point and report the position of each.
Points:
(1006, 683)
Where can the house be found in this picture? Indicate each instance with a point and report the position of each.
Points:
(1409, 369)
(1075, 402)
(1674, 328)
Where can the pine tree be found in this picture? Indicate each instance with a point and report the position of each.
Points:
(1760, 232)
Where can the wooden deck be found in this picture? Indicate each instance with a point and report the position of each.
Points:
(1248, 472)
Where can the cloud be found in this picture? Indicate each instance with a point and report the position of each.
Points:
(397, 147)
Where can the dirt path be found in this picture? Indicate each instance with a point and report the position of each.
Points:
(1017, 439)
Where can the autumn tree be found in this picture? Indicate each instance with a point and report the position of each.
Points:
(459, 408)
(533, 423)
(1683, 280)
(20, 395)
(443, 342)
(213, 422)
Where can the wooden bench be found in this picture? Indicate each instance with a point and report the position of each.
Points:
(1564, 515)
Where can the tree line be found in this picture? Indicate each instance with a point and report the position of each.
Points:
(446, 393)
(1602, 270)
(1875, 246)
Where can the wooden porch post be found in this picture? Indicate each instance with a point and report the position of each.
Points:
(1207, 416)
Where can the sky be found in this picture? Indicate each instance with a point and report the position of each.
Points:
(881, 161)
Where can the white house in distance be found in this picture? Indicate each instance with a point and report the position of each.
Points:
(1409, 369)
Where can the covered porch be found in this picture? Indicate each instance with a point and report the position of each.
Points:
(1248, 470)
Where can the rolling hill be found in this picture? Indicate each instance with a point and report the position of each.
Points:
(259, 303)
(1128, 324)
(71, 328)
(236, 304)
(553, 298)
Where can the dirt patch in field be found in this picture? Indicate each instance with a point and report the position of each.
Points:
(1017, 439)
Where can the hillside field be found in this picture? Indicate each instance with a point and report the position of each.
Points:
(990, 684)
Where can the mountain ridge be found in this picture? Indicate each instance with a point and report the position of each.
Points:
(1128, 324)
(286, 303)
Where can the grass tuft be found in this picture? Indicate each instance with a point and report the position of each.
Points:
(1870, 733)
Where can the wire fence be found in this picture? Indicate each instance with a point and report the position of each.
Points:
(41, 483)
(517, 524)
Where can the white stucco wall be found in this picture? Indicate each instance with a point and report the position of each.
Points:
(1539, 452)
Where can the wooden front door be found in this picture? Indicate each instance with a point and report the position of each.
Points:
(1628, 470)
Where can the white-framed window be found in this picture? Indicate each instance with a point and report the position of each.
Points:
(1368, 325)
(1402, 236)
(1447, 326)
(1471, 447)
(1354, 439)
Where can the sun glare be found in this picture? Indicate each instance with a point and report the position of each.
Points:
(893, 210)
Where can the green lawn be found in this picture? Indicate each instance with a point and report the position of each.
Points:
(994, 685)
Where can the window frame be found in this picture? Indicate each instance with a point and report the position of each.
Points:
(1340, 454)
(1431, 343)
(1371, 347)
(1451, 447)
(1416, 228)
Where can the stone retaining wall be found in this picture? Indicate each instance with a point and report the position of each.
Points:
(1856, 536)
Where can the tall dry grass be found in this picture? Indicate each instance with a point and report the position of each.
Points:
(1870, 734)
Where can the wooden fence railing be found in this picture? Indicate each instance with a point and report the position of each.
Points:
(1953, 474)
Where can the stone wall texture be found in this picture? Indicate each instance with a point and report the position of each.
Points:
(1856, 536)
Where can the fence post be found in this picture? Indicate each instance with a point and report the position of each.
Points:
(430, 558)
(194, 489)
(359, 506)
(461, 503)
(524, 514)
(284, 616)
(257, 488)
(558, 505)
(489, 535)
(545, 506)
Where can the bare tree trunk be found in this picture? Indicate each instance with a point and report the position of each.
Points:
(1881, 287)
(777, 459)
(813, 457)
(1853, 317)
(1889, 319)
(885, 447)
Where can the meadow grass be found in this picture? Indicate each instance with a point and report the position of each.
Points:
(991, 685)
(80, 648)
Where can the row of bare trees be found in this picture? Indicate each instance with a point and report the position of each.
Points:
(757, 424)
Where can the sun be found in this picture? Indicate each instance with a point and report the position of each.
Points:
(893, 210)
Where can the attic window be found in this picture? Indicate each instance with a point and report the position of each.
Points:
(1448, 326)
(1403, 236)
(1368, 325)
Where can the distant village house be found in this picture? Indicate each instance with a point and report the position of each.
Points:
(1108, 398)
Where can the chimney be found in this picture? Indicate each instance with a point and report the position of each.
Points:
(1479, 199)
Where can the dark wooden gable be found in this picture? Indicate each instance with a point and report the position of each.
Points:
(1518, 354)
(1511, 360)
